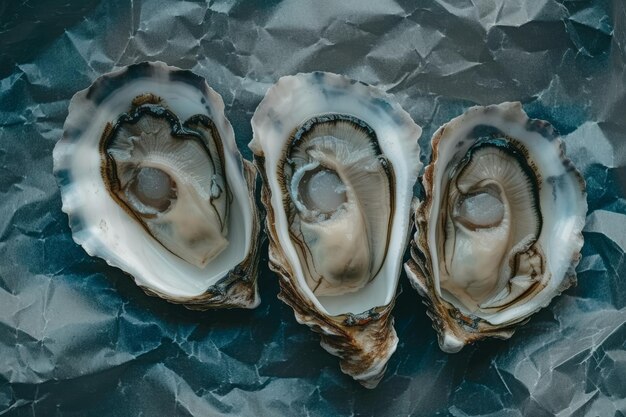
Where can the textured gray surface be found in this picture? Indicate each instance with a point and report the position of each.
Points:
(78, 338)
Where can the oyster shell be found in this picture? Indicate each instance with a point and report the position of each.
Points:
(339, 160)
(153, 183)
(499, 231)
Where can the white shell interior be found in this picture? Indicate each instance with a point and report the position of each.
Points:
(562, 202)
(295, 99)
(103, 228)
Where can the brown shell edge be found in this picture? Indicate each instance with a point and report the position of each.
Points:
(363, 342)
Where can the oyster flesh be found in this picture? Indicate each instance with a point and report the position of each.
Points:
(339, 160)
(499, 231)
(153, 183)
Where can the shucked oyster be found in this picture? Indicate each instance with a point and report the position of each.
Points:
(339, 160)
(499, 231)
(153, 183)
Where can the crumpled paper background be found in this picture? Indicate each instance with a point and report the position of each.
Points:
(79, 338)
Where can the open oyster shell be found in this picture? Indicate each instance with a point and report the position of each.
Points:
(153, 183)
(339, 160)
(499, 231)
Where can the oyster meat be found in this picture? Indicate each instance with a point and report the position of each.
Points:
(153, 183)
(339, 160)
(499, 231)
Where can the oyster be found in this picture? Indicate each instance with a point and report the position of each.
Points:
(499, 231)
(339, 160)
(153, 183)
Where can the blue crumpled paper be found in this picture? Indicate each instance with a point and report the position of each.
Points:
(79, 338)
